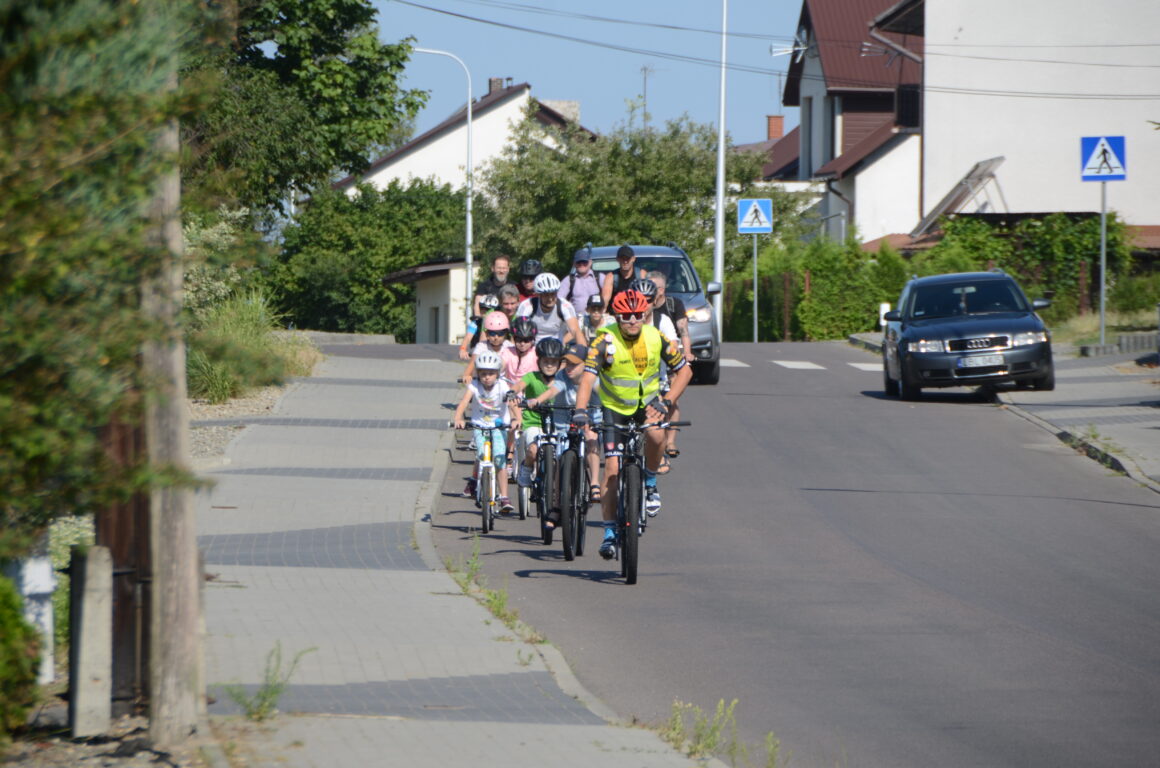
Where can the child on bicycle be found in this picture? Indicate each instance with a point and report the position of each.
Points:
(491, 407)
(495, 335)
(538, 387)
(568, 382)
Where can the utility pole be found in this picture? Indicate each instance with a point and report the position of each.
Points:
(175, 666)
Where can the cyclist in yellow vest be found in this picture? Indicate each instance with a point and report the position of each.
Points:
(624, 362)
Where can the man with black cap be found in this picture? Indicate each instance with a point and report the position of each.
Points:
(625, 272)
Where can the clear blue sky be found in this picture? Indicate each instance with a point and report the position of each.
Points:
(576, 51)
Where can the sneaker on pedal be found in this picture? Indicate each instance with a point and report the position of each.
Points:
(652, 501)
(608, 546)
(505, 505)
(469, 489)
(525, 476)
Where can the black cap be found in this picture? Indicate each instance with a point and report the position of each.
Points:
(625, 252)
(596, 301)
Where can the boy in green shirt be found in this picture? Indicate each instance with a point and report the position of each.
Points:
(537, 388)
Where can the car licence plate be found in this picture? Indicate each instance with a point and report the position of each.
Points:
(980, 361)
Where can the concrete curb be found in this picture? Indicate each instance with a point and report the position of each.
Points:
(425, 508)
(554, 660)
(1111, 460)
(425, 505)
(1108, 459)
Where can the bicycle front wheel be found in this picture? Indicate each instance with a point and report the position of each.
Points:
(629, 521)
(486, 497)
(547, 461)
(569, 469)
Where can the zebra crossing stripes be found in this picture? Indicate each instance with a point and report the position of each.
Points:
(728, 362)
(805, 365)
(799, 365)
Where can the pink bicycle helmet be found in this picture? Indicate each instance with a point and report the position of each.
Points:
(495, 321)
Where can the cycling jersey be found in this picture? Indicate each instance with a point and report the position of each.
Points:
(629, 370)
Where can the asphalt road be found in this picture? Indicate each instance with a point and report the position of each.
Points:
(879, 583)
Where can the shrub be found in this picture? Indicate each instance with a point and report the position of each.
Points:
(236, 349)
(843, 297)
(1135, 293)
(19, 659)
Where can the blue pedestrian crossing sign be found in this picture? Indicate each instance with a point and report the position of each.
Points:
(1102, 158)
(754, 216)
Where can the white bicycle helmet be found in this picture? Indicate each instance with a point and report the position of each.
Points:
(487, 361)
(546, 282)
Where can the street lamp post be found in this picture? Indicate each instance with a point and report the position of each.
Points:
(719, 228)
(470, 174)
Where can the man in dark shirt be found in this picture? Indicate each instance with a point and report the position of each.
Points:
(500, 268)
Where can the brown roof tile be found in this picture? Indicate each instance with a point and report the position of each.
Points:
(840, 28)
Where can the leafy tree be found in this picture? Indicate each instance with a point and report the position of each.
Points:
(329, 276)
(304, 88)
(82, 91)
(554, 190)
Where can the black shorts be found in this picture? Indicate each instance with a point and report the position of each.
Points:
(613, 440)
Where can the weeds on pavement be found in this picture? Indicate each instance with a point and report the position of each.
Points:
(263, 703)
(692, 731)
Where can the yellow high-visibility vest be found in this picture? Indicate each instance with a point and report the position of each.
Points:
(622, 387)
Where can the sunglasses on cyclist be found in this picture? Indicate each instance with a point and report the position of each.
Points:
(524, 338)
(496, 333)
(630, 316)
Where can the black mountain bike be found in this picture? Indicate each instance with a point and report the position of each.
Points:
(574, 484)
(544, 487)
(631, 519)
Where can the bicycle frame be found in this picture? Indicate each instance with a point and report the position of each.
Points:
(631, 523)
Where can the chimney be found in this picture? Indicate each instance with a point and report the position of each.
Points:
(494, 84)
(774, 126)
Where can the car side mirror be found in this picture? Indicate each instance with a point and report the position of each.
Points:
(1038, 304)
(712, 289)
(892, 316)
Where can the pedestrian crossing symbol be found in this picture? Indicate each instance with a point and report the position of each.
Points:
(754, 216)
(1103, 158)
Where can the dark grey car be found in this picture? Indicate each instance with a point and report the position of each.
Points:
(965, 329)
(684, 284)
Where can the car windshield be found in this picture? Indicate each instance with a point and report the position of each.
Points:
(679, 276)
(967, 298)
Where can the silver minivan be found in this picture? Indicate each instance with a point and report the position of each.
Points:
(686, 285)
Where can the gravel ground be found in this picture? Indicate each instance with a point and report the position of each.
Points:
(46, 743)
(208, 444)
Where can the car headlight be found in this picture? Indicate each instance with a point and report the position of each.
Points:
(1028, 337)
(927, 345)
(700, 314)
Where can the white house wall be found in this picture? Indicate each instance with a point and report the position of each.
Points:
(887, 191)
(444, 293)
(444, 158)
(984, 97)
(813, 111)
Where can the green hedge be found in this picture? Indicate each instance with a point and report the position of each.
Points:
(19, 659)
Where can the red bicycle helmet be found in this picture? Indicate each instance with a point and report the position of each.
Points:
(630, 301)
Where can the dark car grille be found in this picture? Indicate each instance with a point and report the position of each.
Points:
(984, 342)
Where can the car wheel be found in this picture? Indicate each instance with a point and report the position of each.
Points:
(889, 385)
(708, 373)
(906, 390)
(1046, 382)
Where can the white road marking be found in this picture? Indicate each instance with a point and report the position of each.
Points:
(728, 362)
(867, 366)
(422, 360)
(799, 365)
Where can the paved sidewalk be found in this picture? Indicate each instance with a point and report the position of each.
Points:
(1107, 406)
(317, 541)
